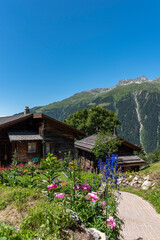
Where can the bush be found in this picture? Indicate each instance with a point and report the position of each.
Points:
(154, 156)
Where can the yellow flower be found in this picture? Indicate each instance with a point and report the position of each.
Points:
(25, 171)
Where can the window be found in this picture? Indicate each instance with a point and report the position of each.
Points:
(48, 147)
(32, 147)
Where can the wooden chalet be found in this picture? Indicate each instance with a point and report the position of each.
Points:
(127, 159)
(32, 136)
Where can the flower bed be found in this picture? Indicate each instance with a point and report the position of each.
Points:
(77, 192)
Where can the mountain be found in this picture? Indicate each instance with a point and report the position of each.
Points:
(135, 101)
(139, 80)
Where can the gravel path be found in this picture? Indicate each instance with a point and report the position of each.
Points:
(140, 219)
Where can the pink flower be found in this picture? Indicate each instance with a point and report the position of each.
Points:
(94, 193)
(61, 195)
(113, 225)
(111, 222)
(21, 165)
(68, 202)
(49, 187)
(93, 196)
(77, 188)
(85, 186)
(82, 188)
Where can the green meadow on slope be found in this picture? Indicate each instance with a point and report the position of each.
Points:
(135, 103)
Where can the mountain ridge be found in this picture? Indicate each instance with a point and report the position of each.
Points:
(135, 101)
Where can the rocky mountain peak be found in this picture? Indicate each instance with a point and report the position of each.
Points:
(157, 80)
(135, 80)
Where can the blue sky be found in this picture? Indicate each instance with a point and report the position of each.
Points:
(51, 49)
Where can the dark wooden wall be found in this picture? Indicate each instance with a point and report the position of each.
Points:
(5, 148)
(60, 142)
(124, 151)
(21, 151)
(87, 161)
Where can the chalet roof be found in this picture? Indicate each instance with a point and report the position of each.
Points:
(62, 128)
(23, 136)
(132, 160)
(87, 143)
(12, 119)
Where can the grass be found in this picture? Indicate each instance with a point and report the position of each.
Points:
(18, 197)
(37, 217)
(153, 168)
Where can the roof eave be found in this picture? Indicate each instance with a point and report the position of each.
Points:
(12, 122)
(83, 148)
(130, 164)
(75, 131)
(136, 148)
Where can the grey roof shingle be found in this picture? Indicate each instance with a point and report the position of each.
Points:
(23, 136)
(88, 143)
(130, 160)
(4, 120)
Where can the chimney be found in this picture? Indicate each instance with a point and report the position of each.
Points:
(114, 131)
(26, 110)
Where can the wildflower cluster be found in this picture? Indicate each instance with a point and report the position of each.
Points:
(82, 187)
(109, 169)
(111, 222)
(60, 195)
(49, 187)
(93, 196)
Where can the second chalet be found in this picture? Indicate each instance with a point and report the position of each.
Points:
(127, 159)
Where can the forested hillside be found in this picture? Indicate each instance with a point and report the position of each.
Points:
(135, 101)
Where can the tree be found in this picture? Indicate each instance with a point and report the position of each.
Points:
(93, 120)
(105, 145)
(78, 119)
(154, 156)
(142, 153)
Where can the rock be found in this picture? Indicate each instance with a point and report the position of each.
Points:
(92, 233)
(132, 183)
(76, 218)
(120, 181)
(135, 179)
(153, 185)
(140, 181)
(146, 185)
(102, 188)
(97, 234)
(147, 178)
